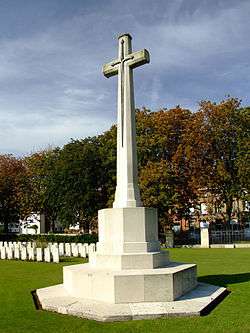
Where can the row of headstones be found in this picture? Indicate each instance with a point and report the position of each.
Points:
(53, 252)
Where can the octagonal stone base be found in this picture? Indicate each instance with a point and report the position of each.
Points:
(197, 302)
(125, 286)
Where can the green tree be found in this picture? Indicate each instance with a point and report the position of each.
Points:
(41, 172)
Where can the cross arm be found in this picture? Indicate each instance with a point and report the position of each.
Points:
(139, 58)
(111, 68)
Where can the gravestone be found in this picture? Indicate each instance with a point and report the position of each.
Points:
(47, 256)
(23, 253)
(61, 249)
(169, 238)
(82, 251)
(55, 255)
(39, 254)
(3, 252)
(17, 252)
(9, 252)
(74, 249)
(86, 246)
(91, 249)
(128, 277)
(31, 253)
(67, 249)
(204, 230)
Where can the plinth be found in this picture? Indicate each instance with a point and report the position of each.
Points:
(128, 272)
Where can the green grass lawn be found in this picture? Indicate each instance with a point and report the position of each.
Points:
(224, 267)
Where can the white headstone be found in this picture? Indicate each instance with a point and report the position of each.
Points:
(50, 245)
(82, 251)
(204, 234)
(55, 255)
(86, 245)
(39, 254)
(47, 257)
(31, 253)
(16, 252)
(74, 249)
(10, 253)
(23, 253)
(91, 248)
(3, 252)
(61, 249)
(68, 249)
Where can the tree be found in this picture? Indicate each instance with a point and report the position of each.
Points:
(160, 133)
(74, 184)
(41, 168)
(13, 185)
(243, 158)
(210, 148)
(107, 153)
(158, 189)
(159, 137)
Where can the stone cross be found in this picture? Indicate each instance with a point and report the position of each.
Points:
(127, 191)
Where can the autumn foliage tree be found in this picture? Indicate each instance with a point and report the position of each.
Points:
(164, 184)
(14, 184)
(210, 151)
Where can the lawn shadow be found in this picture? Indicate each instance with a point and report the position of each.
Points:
(224, 280)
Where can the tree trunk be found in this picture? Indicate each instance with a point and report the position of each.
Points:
(6, 229)
(229, 209)
(6, 220)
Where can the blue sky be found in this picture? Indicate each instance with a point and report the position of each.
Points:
(51, 54)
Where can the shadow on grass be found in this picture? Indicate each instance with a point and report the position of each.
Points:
(224, 280)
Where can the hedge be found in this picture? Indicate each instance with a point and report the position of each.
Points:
(53, 238)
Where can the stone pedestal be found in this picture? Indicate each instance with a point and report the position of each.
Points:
(164, 284)
(128, 239)
(204, 229)
(128, 271)
(129, 262)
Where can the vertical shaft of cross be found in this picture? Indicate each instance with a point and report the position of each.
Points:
(127, 191)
